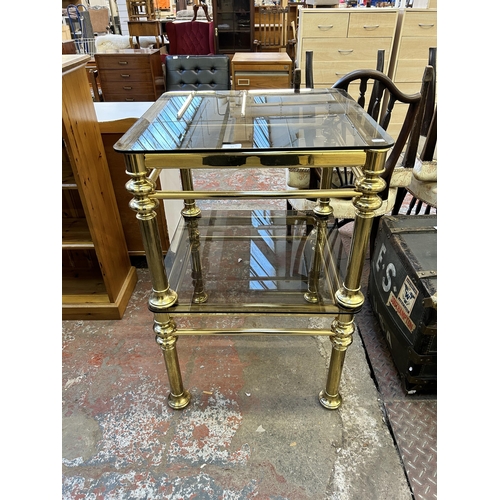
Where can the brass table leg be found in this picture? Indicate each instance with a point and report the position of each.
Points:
(323, 206)
(190, 207)
(314, 273)
(199, 294)
(165, 327)
(161, 297)
(342, 328)
(349, 297)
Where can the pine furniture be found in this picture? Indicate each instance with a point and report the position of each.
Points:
(97, 277)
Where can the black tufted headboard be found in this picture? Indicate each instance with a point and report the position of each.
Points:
(197, 72)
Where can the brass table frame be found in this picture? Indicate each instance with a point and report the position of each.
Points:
(144, 170)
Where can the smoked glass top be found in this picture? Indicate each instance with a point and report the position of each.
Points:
(246, 121)
(259, 261)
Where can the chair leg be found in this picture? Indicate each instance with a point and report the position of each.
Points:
(373, 234)
(400, 196)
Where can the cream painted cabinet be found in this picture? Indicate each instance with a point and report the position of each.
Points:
(343, 40)
(418, 32)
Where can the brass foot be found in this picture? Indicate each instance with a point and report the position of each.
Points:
(311, 297)
(328, 401)
(179, 402)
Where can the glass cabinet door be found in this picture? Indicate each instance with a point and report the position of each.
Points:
(234, 24)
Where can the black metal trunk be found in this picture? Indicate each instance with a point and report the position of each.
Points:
(403, 295)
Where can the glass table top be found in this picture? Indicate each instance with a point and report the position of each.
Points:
(246, 121)
(256, 261)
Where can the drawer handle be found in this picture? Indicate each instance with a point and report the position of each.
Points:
(123, 63)
(346, 51)
(125, 76)
(371, 28)
(127, 88)
(129, 99)
(340, 74)
(243, 81)
(324, 27)
(426, 26)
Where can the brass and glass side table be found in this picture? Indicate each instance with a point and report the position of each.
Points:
(288, 263)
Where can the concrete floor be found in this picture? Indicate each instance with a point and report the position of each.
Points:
(254, 428)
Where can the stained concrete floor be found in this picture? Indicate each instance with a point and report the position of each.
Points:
(254, 428)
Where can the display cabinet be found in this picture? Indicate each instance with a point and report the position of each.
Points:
(234, 25)
(97, 277)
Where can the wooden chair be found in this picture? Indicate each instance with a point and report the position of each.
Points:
(423, 162)
(393, 175)
(141, 10)
(422, 187)
(296, 176)
(273, 30)
(136, 29)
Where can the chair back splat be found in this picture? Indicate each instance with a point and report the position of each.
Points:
(274, 31)
(413, 114)
(384, 94)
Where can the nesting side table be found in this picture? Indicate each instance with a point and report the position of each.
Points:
(293, 264)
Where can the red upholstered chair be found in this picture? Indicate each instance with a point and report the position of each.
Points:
(192, 38)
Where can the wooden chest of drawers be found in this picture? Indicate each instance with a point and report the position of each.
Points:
(418, 33)
(130, 74)
(343, 40)
(261, 70)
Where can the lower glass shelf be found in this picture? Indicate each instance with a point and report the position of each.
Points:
(256, 262)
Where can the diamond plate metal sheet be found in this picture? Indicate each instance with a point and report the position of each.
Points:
(413, 418)
(414, 424)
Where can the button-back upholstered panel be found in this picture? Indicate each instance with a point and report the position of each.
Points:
(191, 38)
(197, 72)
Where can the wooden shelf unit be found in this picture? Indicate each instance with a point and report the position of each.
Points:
(114, 119)
(97, 277)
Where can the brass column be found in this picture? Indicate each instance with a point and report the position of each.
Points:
(161, 297)
(190, 207)
(349, 297)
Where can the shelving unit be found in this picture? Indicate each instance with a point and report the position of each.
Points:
(97, 277)
(234, 24)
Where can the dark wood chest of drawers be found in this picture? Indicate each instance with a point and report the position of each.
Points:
(130, 75)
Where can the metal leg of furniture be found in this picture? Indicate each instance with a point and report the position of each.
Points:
(165, 327)
(312, 295)
(199, 294)
(190, 208)
(161, 297)
(349, 296)
(342, 328)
